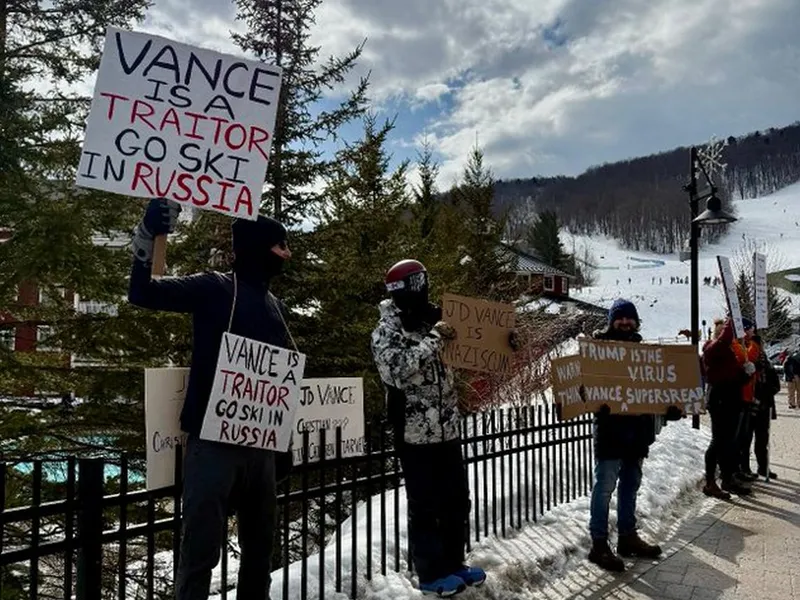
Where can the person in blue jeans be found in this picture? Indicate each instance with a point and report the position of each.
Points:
(621, 443)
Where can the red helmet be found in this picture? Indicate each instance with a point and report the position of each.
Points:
(408, 275)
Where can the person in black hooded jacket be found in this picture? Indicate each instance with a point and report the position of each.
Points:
(621, 443)
(219, 478)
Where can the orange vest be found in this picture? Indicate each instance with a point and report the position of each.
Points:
(751, 354)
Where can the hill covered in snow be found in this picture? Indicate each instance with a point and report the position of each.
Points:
(659, 284)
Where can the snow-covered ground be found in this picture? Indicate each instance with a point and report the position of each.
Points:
(559, 539)
(517, 563)
(770, 224)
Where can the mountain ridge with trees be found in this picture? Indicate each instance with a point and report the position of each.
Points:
(641, 201)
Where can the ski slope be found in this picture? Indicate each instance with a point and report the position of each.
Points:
(770, 224)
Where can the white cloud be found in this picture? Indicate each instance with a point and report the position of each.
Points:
(557, 86)
(431, 92)
(553, 86)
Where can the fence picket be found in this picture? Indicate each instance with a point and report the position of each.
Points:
(505, 461)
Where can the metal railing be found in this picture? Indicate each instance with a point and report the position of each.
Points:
(79, 534)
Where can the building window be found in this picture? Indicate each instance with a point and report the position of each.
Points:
(7, 335)
(564, 285)
(549, 285)
(44, 333)
(45, 298)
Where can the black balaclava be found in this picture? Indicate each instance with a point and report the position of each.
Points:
(253, 241)
(416, 312)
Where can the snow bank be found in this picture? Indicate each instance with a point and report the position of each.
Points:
(516, 564)
(560, 539)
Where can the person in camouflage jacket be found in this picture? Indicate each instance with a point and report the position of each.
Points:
(423, 404)
(422, 407)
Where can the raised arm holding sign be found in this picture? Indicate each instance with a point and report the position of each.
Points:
(258, 369)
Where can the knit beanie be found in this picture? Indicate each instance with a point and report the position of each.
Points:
(622, 309)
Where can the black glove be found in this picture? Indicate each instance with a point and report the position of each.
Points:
(159, 219)
(433, 314)
(604, 411)
(674, 413)
(513, 340)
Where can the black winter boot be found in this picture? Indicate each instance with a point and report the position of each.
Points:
(633, 545)
(736, 487)
(712, 490)
(602, 555)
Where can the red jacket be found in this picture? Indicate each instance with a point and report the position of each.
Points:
(720, 363)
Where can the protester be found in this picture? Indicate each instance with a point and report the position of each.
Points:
(744, 435)
(768, 384)
(725, 373)
(791, 371)
(220, 478)
(622, 442)
(422, 407)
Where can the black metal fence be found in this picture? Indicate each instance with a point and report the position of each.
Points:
(341, 519)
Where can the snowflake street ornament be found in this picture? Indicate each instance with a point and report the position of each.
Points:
(711, 156)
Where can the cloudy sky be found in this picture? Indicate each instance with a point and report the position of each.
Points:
(551, 86)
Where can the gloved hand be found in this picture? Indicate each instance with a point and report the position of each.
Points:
(445, 330)
(674, 413)
(513, 340)
(161, 216)
(604, 411)
(749, 368)
(159, 219)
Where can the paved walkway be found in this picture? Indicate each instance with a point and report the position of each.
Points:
(745, 549)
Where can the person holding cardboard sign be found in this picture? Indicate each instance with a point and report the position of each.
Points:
(220, 478)
(622, 442)
(422, 407)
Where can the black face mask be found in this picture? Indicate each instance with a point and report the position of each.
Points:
(253, 241)
(416, 312)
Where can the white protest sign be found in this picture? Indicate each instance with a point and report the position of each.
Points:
(731, 296)
(328, 404)
(760, 304)
(255, 394)
(174, 121)
(164, 393)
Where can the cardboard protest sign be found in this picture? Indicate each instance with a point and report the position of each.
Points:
(483, 328)
(173, 121)
(164, 393)
(630, 378)
(732, 297)
(565, 377)
(760, 302)
(329, 404)
(255, 394)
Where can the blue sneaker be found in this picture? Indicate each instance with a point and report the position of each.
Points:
(472, 576)
(444, 587)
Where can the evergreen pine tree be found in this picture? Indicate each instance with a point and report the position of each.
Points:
(544, 239)
(44, 48)
(278, 32)
(487, 270)
(427, 203)
(364, 230)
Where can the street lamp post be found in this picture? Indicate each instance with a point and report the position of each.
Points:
(713, 215)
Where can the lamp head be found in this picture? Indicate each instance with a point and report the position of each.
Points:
(714, 215)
